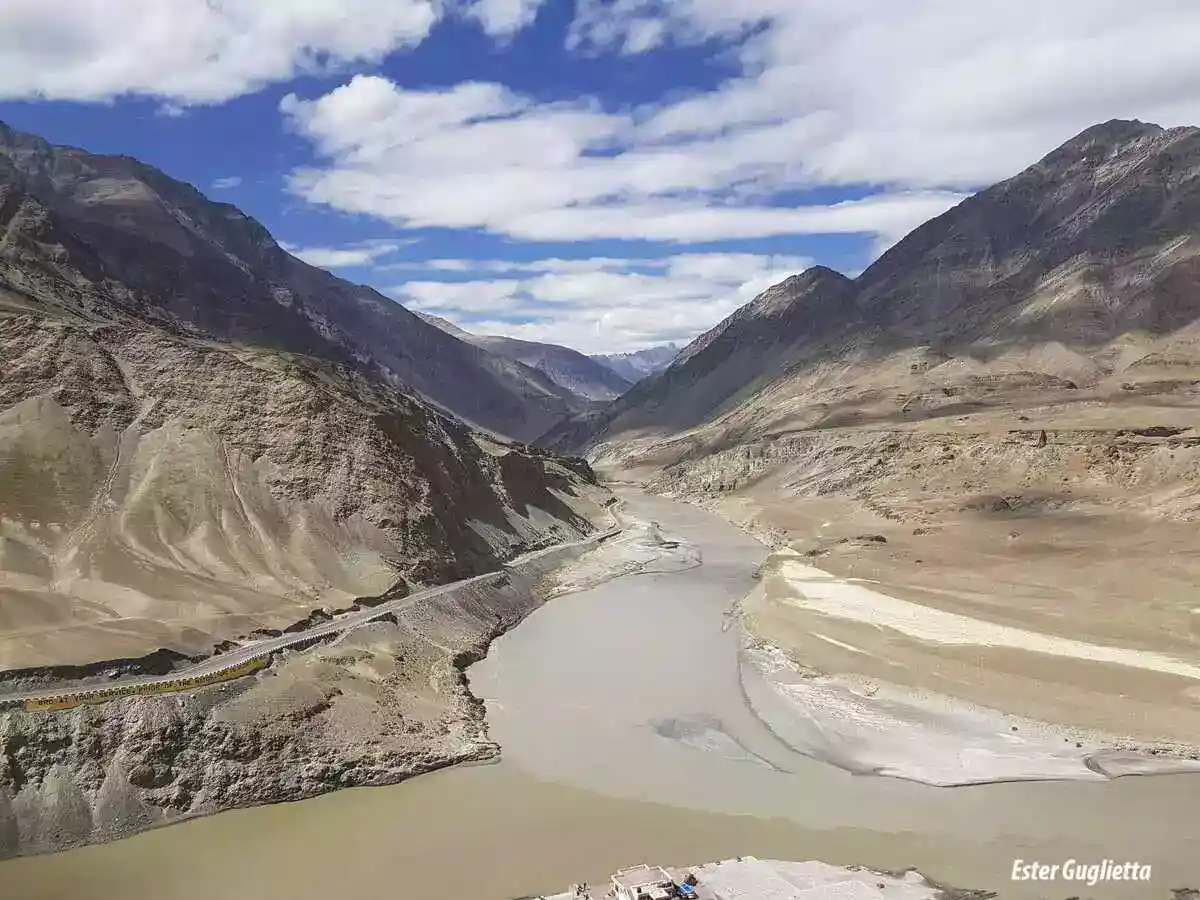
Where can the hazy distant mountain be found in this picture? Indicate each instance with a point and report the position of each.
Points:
(641, 363)
(567, 368)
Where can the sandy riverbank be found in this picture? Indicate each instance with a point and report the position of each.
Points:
(978, 660)
(858, 700)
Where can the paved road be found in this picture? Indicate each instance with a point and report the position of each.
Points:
(215, 665)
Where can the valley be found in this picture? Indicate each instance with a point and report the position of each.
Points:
(626, 735)
(206, 460)
(990, 432)
(894, 570)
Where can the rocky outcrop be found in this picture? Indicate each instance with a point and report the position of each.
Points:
(382, 703)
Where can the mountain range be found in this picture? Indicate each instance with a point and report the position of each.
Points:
(202, 436)
(1080, 272)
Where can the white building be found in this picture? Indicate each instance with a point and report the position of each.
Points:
(643, 883)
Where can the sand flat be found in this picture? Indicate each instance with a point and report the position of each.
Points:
(819, 591)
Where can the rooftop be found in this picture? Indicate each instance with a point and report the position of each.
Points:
(641, 876)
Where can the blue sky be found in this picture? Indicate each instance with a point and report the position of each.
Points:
(608, 174)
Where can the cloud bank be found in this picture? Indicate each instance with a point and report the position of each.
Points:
(596, 305)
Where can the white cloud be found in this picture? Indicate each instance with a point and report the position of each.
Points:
(224, 184)
(469, 297)
(889, 216)
(361, 254)
(920, 101)
(923, 93)
(917, 101)
(601, 304)
(503, 18)
(519, 266)
(623, 25)
(480, 156)
(192, 51)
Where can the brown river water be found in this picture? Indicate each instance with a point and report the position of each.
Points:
(627, 739)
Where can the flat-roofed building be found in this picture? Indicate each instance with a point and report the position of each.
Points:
(643, 883)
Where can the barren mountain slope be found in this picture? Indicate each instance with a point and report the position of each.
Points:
(997, 419)
(1083, 268)
(161, 491)
(125, 236)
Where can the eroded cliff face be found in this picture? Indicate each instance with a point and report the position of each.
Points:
(380, 704)
(161, 491)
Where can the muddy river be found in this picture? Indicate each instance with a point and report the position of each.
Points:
(627, 739)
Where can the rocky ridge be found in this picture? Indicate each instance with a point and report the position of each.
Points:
(378, 705)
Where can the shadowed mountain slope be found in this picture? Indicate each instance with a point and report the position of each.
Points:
(129, 238)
